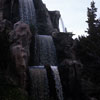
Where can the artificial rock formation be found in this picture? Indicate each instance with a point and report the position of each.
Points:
(44, 23)
(20, 40)
(12, 63)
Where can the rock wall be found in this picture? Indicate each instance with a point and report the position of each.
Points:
(44, 23)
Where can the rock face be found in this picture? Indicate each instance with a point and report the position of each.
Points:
(44, 23)
(20, 40)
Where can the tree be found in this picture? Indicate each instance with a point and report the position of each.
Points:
(92, 19)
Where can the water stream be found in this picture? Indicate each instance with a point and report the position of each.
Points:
(45, 55)
(45, 50)
(57, 82)
(40, 88)
(61, 25)
(27, 11)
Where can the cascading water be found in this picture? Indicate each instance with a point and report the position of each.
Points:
(57, 82)
(27, 11)
(61, 25)
(45, 50)
(45, 55)
(40, 86)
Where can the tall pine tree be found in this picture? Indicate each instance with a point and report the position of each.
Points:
(92, 19)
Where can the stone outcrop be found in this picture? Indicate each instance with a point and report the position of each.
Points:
(20, 40)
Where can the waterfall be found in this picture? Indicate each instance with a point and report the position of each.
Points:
(45, 50)
(27, 11)
(40, 88)
(57, 82)
(61, 25)
(44, 79)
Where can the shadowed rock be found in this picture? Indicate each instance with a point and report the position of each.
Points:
(5, 28)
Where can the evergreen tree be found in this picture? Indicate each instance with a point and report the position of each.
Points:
(92, 19)
(98, 27)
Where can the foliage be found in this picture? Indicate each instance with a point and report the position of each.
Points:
(88, 52)
(9, 91)
(92, 19)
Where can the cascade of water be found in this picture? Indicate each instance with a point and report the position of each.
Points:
(57, 82)
(46, 52)
(27, 11)
(40, 88)
(62, 26)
